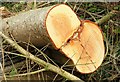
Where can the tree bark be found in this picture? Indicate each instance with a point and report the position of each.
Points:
(31, 26)
(27, 27)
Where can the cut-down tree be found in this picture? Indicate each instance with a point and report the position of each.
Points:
(79, 40)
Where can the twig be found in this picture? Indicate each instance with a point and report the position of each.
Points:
(106, 53)
(2, 70)
(17, 65)
(88, 13)
(106, 17)
(48, 66)
(2, 67)
(115, 64)
(30, 73)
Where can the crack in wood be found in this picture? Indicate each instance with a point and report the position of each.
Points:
(76, 36)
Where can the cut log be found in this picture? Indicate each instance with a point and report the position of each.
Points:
(87, 49)
(30, 26)
(58, 25)
(61, 23)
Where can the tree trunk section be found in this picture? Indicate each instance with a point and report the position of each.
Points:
(58, 25)
(31, 26)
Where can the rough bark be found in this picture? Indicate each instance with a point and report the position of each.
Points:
(27, 26)
(31, 26)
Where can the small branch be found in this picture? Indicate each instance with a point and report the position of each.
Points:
(17, 65)
(88, 13)
(48, 66)
(106, 17)
(30, 73)
(115, 64)
(2, 70)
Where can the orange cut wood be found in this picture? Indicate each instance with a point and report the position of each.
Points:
(87, 52)
(61, 23)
